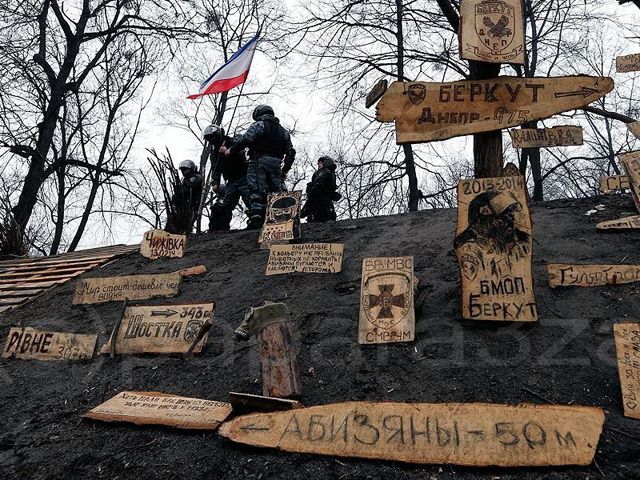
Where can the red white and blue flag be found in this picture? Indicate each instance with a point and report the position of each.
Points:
(232, 73)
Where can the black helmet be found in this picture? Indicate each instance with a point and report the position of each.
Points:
(188, 165)
(327, 162)
(261, 110)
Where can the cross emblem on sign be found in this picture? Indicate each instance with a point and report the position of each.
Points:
(386, 300)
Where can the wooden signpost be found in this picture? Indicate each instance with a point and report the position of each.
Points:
(492, 31)
(282, 220)
(627, 223)
(305, 258)
(614, 183)
(631, 163)
(634, 128)
(425, 112)
(561, 136)
(154, 408)
(160, 244)
(386, 301)
(628, 63)
(376, 92)
(161, 329)
(627, 337)
(31, 344)
(561, 275)
(449, 433)
(132, 287)
(493, 246)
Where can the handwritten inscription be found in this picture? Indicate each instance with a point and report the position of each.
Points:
(426, 112)
(493, 246)
(565, 136)
(614, 183)
(561, 275)
(631, 163)
(628, 63)
(492, 31)
(305, 258)
(459, 434)
(627, 223)
(133, 287)
(160, 244)
(154, 408)
(386, 301)
(29, 343)
(161, 329)
(627, 337)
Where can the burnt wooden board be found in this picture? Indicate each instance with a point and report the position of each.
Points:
(161, 329)
(133, 287)
(493, 245)
(560, 136)
(376, 92)
(627, 223)
(160, 244)
(426, 112)
(492, 31)
(563, 275)
(627, 337)
(449, 433)
(631, 163)
(628, 63)
(30, 343)
(155, 408)
(305, 258)
(634, 128)
(282, 219)
(386, 301)
(614, 183)
(243, 403)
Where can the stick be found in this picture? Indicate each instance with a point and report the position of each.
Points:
(206, 326)
(114, 334)
(539, 396)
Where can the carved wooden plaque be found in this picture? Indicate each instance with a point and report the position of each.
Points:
(473, 434)
(386, 301)
(306, 258)
(628, 63)
(493, 246)
(627, 223)
(160, 244)
(426, 112)
(631, 163)
(614, 183)
(565, 136)
(376, 93)
(29, 343)
(492, 31)
(282, 220)
(154, 408)
(627, 337)
(161, 329)
(133, 287)
(561, 275)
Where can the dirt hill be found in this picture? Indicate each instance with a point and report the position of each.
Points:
(568, 357)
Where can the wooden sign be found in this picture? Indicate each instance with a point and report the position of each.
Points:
(565, 136)
(493, 246)
(154, 408)
(386, 301)
(614, 183)
(627, 223)
(161, 329)
(133, 287)
(31, 344)
(426, 112)
(561, 275)
(160, 244)
(244, 403)
(634, 128)
(282, 221)
(492, 31)
(376, 92)
(628, 63)
(470, 434)
(631, 163)
(627, 337)
(305, 258)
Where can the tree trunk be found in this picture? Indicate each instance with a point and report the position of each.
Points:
(280, 372)
(531, 156)
(57, 237)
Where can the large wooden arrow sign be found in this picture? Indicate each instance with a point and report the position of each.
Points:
(425, 112)
(454, 433)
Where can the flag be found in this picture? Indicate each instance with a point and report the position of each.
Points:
(232, 73)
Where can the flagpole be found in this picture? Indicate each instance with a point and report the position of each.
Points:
(233, 114)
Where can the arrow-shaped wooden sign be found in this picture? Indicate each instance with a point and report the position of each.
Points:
(426, 112)
(475, 434)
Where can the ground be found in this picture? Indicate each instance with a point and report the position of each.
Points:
(568, 357)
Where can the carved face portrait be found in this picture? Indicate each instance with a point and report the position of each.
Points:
(282, 209)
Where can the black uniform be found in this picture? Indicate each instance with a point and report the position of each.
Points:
(321, 193)
(191, 190)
